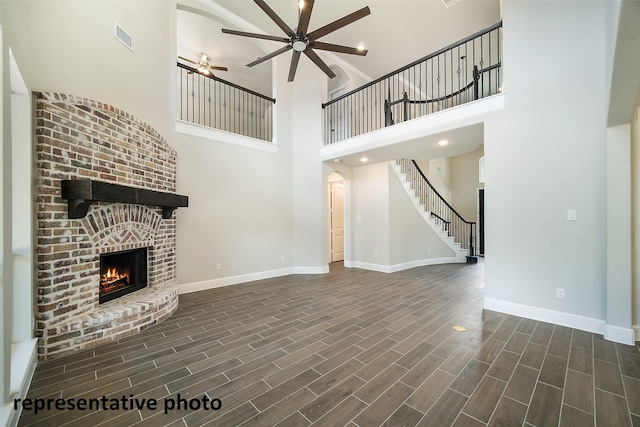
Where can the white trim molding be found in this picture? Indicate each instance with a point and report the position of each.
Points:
(404, 266)
(232, 280)
(619, 334)
(612, 333)
(311, 270)
(224, 136)
(23, 365)
(244, 278)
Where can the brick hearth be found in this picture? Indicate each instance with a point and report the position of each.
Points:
(78, 138)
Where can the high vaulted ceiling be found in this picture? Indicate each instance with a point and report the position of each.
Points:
(396, 33)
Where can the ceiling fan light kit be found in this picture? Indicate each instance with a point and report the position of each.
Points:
(301, 41)
(203, 66)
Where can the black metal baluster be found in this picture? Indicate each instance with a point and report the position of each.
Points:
(482, 66)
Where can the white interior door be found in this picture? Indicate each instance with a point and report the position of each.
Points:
(336, 190)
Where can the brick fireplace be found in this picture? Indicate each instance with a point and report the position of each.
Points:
(81, 139)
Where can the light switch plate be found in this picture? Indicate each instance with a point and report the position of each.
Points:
(571, 215)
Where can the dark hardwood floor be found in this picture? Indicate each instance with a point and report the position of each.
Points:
(349, 348)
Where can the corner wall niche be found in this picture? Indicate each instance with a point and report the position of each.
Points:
(84, 140)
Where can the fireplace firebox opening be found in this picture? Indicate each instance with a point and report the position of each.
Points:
(122, 273)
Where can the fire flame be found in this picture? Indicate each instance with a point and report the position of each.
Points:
(113, 279)
(112, 273)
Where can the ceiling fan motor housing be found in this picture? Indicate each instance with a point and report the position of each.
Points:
(303, 42)
(299, 44)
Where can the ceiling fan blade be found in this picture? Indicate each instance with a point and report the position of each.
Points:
(215, 67)
(269, 56)
(319, 62)
(295, 58)
(188, 60)
(337, 48)
(339, 23)
(275, 18)
(305, 17)
(256, 35)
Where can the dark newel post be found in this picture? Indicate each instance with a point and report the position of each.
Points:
(476, 83)
(471, 250)
(388, 120)
(388, 115)
(405, 102)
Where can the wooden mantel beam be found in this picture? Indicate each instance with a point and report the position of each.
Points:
(80, 193)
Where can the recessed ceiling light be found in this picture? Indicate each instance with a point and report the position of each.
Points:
(443, 142)
(364, 159)
(337, 160)
(360, 47)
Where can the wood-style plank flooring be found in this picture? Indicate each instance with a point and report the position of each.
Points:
(349, 348)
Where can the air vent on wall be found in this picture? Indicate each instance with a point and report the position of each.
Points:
(124, 37)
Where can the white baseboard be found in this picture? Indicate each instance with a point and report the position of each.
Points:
(244, 278)
(636, 332)
(423, 262)
(619, 334)
(404, 266)
(311, 270)
(610, 332)
(368, 266)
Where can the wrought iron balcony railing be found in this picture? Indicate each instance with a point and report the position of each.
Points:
(219, 104)
(462, 72)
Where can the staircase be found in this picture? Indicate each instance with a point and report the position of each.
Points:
(453, 229)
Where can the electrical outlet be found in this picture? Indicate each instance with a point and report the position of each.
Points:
(218, 266)
(375, 254)
(560, 293)
(282, 258)
(235, 264)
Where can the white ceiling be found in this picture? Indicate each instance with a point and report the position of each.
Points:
(396, 32)
(461, 140)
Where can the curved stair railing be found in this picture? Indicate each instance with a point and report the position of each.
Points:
(461, 230)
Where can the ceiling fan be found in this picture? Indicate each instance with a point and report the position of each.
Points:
(203, 65)
(302, 41)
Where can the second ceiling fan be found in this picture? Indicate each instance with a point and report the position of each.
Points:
(302, 41)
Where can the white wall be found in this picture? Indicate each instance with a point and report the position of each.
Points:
(69, 47)
(370, 214)
(239, 210)
(308, 91)
(465, 184)
(545, 154)
(619, 302)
